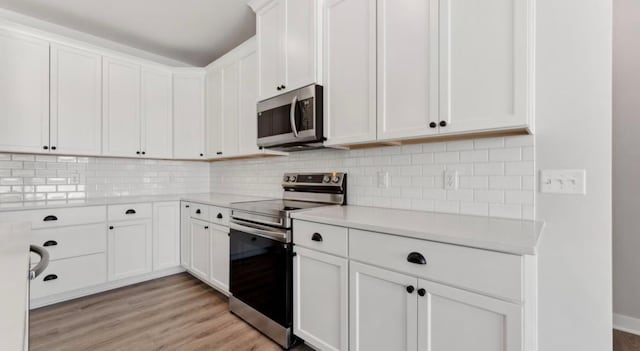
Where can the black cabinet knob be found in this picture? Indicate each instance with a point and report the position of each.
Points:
(50, 218)
(186, 206)
(137, 152)
(219, 153)
(410, 289)
(144, 152)
(50, 243)
(198, 211)
(53, 148)
(422, 292)
(283, 87)
(219, 216)
(316, 237)
(278, 88)
(110, 227)
(443, 123)
(433, 124)
(45, 147)
(50, 277)
(201, 155)
(206, 227)
(417, 258)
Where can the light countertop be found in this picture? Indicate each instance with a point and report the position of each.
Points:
(518, 237)
(215, 199)
(14, 268)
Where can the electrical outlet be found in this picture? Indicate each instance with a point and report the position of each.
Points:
(451, 180)
(383, 179)
(565, 181)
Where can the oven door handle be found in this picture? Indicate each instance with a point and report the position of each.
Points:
(269, 234)
(292, 116)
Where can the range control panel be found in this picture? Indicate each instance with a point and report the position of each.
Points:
(331, 178)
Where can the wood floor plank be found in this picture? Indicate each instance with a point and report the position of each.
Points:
(625, 341)
(172, 313)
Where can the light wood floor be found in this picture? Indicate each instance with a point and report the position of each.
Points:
(171, 313)
(625, 342)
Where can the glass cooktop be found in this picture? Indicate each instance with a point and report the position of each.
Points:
(275, 206)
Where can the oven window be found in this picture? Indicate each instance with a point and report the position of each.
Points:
(261, 271)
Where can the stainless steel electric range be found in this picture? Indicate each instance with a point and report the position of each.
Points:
(261, 252)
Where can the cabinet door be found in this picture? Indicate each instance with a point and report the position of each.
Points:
(24, 93)
(200, 249)
(270, 31)
(247, 113)
(185, 235)
(188, 115)
(485, 69)
(383, 313)
(166, 235)
(320, 299)
(407, 68)
(350, 71)
(214, 112)
(129, 249)
(456, 320)
(300, 43)
(230, 90)
(220, 256)
(120, 108)
(157, 118)
(76, 101)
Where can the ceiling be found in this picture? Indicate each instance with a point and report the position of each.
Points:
(192, 31)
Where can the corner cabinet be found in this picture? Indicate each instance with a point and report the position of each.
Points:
(166, 235)
(130, 249)
(189, 114)
(397, 293)
(288, 39)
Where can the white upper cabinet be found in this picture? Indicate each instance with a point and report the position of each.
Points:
(230, 126)
(24, 93)
(287, 32)
(407, 68)
(485, 65)
(189, 114)
(76, 101)
(157, 117)
(349, 48)
(121, 108)
(247, 109)
(214, 112)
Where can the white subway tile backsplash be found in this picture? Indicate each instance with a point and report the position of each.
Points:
(25, 177)
(488, 169)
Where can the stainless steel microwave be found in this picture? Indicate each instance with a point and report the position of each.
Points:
(292, 121)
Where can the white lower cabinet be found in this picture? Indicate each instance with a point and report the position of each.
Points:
(129, 248)
(320, 298)
(70, 274)
(200, 248)
(166, 235)
(219, 240)
(383, 311)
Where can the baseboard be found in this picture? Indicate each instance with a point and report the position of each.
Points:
(626, 324)
(70, 295)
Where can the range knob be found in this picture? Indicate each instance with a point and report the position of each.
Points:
(326, 179)
(292, 179)
(335, 179)
(286, 178)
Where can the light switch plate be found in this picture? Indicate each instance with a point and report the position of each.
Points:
(383, 179)
(563, 181)
(451, 180)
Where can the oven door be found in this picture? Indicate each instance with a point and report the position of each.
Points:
(291, 118)
(261, 274)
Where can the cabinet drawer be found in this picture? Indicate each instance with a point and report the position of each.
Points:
(219, 215)
(70, 241)
(321, 237)
(70, 274)
(488, 272)
(58, 217)
(200, 211)
(129, 211)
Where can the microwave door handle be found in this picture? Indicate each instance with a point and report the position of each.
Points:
(292, 116)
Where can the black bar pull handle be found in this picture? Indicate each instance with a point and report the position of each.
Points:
(417, 258)
(50, 277)
(50, 218)
(50, 243)
(130, 211)
(316, 237)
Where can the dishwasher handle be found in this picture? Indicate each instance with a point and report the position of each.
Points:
(42, 265)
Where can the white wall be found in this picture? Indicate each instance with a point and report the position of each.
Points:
(626, 164)
(496, 175)
(573, 125)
